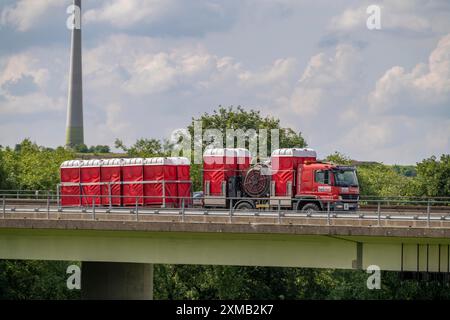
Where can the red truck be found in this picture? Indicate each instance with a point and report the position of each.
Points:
(291, 179)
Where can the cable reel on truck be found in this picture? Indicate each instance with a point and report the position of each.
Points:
(256, 183)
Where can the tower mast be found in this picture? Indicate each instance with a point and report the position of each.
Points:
(74, 128)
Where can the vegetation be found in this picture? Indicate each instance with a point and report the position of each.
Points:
(143, 148)
(239, 118)
(29, 166)
(82, 148)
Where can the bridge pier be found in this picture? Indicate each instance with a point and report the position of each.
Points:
(116, 281)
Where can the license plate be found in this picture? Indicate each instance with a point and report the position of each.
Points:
(345, 206)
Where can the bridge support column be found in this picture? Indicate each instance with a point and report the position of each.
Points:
(116, 281)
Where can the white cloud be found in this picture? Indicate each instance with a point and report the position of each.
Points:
(21, 65)
(112, 124)
(327, 79)
(24, 14)
(32, 103)
(149, 69)
(124, 13)
(426, 86)
(281, 70)
(27, 83)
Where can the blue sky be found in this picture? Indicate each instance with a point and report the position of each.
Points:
(150, 65)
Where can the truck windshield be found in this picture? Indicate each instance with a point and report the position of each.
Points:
(345, 178)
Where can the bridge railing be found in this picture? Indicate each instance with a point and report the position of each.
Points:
(368, 208)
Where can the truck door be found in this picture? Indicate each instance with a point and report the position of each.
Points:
(322, 183)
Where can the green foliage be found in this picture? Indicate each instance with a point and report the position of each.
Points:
(3, 172)
(339, 158)
(379, 180)
(407, 171)
(21, 280)
(82, 148)
(433, 177)
(143, 148)
(196, 176)
(239, 118)
(383, 181)
(225, 282)
(30, 166)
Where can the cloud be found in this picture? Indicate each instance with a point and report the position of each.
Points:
(25, 14)
(327, 80)
(26, 84)
(31, 103)
(149, 69)
(112, 124)
(280, 70)
(337, 109)
(169, 17)
(426, 88)
(125, 13)
(22, 67)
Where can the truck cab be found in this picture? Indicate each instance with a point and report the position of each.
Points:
(321, 183)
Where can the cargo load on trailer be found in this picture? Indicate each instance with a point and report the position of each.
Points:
(292, 179)
(126, 182)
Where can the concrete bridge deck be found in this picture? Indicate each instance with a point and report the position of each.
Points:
(322, 242)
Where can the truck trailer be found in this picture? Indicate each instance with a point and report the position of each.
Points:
(291, 179)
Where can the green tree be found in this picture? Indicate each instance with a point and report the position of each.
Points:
(339, 158)
(143, 148)
(30, 280)
(30, 166)
(80, 148)
(383, 181)
(433, 177)
(239, 118)
(99, 149)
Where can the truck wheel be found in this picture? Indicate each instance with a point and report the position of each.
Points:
(244, 206)
(310, 208)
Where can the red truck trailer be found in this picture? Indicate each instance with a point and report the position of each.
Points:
(291, 179)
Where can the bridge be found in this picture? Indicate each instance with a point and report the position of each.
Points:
(118, 246)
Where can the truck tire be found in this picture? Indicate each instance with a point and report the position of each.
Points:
(245, 205)
(310, 208)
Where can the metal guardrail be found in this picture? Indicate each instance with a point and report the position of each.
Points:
(428, 210)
